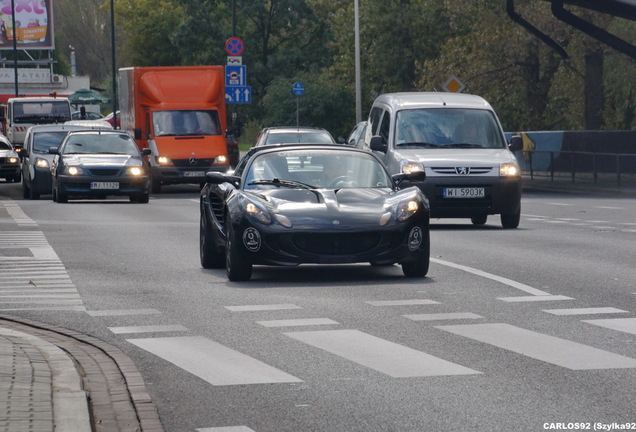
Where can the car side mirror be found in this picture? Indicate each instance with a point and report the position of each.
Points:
(378, 143)
(516, 143)
(146, 152)
(54, 150)
(215, 177)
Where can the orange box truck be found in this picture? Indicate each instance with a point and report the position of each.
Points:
(179, 113)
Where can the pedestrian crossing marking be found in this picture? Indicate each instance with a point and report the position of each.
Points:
(408, 302)
(147, 329)
(213, 362)
(387, 357)
(254, 308)
(537, 298)
(297, 322)
(584, 311)
(626, 325)
(443, 316)
(550, 349)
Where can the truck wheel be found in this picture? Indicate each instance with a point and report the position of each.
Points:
(235, 265)
(210, 257)
(419, 267)
(511, 220)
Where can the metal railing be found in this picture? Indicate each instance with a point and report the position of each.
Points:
(584, 164)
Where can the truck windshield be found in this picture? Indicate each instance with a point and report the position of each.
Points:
(41, 112)
(179, 123)
(448, 127)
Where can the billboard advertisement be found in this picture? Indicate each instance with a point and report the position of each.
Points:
(33, 24)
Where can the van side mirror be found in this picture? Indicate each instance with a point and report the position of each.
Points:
(378, 143)
(516, 143)
(54, 150)
(146, 152)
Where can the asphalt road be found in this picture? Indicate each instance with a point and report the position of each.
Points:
(513, 330)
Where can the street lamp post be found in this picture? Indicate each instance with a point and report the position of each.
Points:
(357, 60)
(113, 64)
(15, 47)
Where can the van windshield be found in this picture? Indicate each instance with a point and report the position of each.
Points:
(447, 128)
(191, 122)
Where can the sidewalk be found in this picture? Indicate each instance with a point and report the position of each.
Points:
(56, 379)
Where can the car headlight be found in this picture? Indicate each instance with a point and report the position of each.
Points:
(508, 169)
(41, 163)
(135, 171)
(164, 161)
(255, 210)
(406, 209)
(13, 160)
(408, 167)
(73, 170)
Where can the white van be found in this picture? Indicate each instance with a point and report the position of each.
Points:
(457, 140)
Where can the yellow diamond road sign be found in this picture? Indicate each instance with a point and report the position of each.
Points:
(454, 85)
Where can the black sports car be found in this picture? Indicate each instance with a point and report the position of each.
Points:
(98, 163)
(321, 204)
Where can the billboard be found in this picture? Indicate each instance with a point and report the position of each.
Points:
(33, 22)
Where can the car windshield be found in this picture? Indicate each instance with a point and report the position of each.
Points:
(316, 169)
(300, 137)
(42, 141)
(100, 144)
(447, 128)
(5, 146)
(180, 123)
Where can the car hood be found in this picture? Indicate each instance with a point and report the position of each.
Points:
(453, 156)
(342, 207)
(101, 160)
(8, 153)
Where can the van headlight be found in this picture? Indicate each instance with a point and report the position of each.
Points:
(508, 169)
(41, 163)
(408, 167)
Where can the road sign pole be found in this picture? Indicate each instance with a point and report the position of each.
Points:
(297, 111)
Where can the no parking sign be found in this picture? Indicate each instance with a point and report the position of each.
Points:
(234, 46)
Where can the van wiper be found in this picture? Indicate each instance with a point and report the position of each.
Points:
(464, 145)
(286, 183)
(418, 145)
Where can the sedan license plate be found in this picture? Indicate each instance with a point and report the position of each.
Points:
(105, 185)
(194, 173)
(464, 193)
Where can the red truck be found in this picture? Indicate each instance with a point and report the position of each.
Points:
(179, 113)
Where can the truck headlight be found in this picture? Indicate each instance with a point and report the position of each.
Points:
(163, 161)
(408, 167)
(221, 160)
(508, 169)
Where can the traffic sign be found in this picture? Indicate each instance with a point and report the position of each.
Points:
(298, 88)
(454, 85)
(235, 75)
(234, 46)
(234, 61)
(238, 94)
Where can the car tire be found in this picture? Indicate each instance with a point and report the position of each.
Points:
(237, 268)
(210, 257)
(479, 220)
(511, 221)
(419, 267)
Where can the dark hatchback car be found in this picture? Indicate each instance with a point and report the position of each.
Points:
(97, 164)
(320, 204)
(292, 134)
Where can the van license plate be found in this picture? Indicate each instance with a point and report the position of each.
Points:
(105, 185)
(464, 193)
(194, 173)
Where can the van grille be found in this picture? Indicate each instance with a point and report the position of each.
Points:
(454, 170)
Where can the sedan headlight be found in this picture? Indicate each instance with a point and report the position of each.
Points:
(406, 209)
(13, 160)
(508, 169)
(41, 163)
(164, 161)
(73, 170)
(408, 167)
(255, 210)
(135, 171)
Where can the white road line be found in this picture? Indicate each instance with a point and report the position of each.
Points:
(252, 308)
(550, 349)
(443, 316)
(534, 298)
(213, 362)
(409, 302)
(297, 322)
(627, 325)
(226, 429)
(148, 329)
(559, 204)
(381, 355)
(503, 280)
(584, 311)
(122, 312)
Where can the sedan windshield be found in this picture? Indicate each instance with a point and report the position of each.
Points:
(316, 169)
(100, 144)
